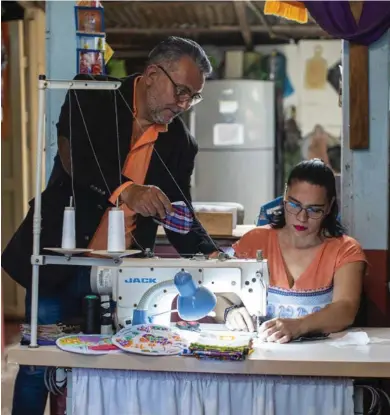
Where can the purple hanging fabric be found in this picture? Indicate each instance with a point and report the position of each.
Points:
(336, 18)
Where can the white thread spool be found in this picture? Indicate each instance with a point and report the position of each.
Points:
(116, 231)
(69, 229)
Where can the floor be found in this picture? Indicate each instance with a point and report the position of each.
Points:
(8, 371)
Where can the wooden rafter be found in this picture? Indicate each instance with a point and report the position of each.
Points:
(301, 30)
(240, 9)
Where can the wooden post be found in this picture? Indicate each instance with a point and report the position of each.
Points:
(358, 88)
(358, 97)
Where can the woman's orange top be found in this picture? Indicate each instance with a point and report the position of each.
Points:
(313, 290)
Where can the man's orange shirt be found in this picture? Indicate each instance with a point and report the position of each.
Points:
(135, 169)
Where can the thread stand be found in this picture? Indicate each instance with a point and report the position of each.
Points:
(37, 259)
(69, 252)
(117, 255)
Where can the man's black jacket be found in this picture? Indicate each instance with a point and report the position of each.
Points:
(93, 185)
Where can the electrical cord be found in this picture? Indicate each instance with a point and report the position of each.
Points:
(54, 386)
(377, 394)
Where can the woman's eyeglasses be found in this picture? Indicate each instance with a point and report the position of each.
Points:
(182, 93)
(311, 211)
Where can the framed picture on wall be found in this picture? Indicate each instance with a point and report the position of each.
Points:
(89, 20)
(87, 41)
(90, 62)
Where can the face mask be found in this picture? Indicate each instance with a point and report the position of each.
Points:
(179, 221)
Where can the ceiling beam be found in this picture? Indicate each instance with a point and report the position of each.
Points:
(286, 29)
(128, 54)
(240, 9)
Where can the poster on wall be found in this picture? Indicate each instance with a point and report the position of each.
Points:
(93, 53)
(89, 20)
(316, 70)
(90, 61)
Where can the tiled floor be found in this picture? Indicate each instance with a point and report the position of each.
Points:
(8, 371)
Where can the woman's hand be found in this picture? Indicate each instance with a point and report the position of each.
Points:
(281, 330)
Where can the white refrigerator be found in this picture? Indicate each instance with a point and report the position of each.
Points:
(235, 128)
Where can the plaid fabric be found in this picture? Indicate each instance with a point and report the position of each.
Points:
(179, 221)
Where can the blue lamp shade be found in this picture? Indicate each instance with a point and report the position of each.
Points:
(194, 301)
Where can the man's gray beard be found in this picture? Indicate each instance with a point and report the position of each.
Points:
(159, 120)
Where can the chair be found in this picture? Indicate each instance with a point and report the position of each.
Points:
(267, 210)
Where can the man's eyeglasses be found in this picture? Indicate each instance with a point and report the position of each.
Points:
(183, 93)
(311, 211)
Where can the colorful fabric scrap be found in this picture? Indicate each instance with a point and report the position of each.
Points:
(223, 348)
(180, 221)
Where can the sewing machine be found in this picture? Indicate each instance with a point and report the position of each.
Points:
(148, 283)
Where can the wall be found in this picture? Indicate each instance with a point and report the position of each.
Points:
(313, 106)
(60, 64)
(365, 179)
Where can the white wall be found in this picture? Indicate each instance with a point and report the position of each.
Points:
(313, 106)
(60, 64)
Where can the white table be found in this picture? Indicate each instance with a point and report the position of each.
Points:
(307, 359)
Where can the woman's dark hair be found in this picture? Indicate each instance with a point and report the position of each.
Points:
(315, 172)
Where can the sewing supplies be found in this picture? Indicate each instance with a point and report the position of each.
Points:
(188, 325)
(91, 314)
(105, 317)
(116, 230)
(149, 339)
(221, 346)
(69, 227)
(87, 344)
(179, 221)
(47, 334)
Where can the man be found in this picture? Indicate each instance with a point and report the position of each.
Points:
(127, 147)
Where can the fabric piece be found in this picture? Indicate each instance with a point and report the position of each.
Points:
(179, 221)
(337, 19)
(129, 392)
(291, 10)
(135, 169)
(221, 347)
(313, 290)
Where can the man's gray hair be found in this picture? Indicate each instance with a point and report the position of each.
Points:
(174, 48)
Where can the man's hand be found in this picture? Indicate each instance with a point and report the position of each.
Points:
(281, 330)
(147, 200)
(239, 319)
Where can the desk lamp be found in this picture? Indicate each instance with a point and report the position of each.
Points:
(194, 301)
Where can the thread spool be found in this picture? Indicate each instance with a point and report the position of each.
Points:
(91, 314)
(116, 231)
(69, 228)
(106, 318)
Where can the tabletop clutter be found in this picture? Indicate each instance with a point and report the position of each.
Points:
(148, 339)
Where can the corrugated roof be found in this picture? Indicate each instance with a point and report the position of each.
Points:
(136, 23)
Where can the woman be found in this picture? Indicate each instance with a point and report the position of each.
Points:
(316, 272)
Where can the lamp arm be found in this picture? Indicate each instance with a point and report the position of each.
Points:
(152, 291)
